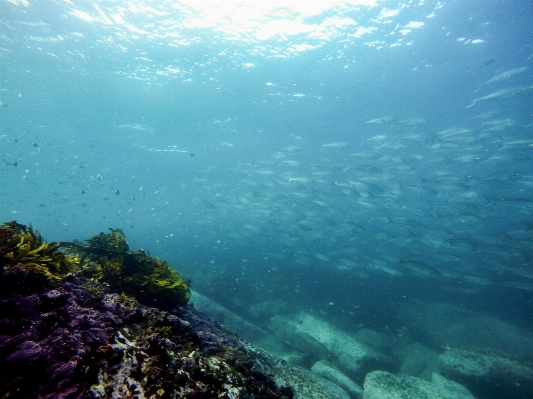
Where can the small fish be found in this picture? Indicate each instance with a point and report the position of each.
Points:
(379, 121)
(337, 144)
(505, 94)
(299, 179)
(379, 137)
(506, 75)
(292, 163)
(117, 192)
(413, 121)
(417, 268)
(15, 163)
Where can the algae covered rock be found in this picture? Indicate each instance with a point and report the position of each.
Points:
(383, 385)
(67, 342)
(106, 259)
(24, 252)
(63, 335)
(151, 281)
(114, 242)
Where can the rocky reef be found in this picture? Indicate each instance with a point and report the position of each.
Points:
(488, 374)
(384, 385)
(352, 356)
(96, 320)
(76, 322)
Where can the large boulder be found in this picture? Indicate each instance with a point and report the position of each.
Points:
(383, 385)
(418, 361)
(313, 335)
(488, 375)
(333, 374)
(304, 383)
(272, 354)
(238, 325)
(441, 325)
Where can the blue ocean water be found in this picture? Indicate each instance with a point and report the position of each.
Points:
(358, 160)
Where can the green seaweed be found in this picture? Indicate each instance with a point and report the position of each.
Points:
(94, 289)
(106, 259)
(23, 247)
(115, 242)
(163, 331)
(149, 280)
(127, 301)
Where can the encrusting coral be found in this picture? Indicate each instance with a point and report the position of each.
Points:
(64, 335)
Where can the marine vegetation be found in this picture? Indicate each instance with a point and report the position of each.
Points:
(64, 335)
(106, 259)
(23, 251)
(112, 243)
(151, 281)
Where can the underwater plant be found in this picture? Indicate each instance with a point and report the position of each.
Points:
(115, 242)
(105, 259)
(149, 280)
(24, 251)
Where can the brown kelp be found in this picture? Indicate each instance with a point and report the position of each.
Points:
(151, 281)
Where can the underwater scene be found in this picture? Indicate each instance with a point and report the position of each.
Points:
(266, 199)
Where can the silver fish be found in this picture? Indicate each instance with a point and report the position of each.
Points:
(379, 121)
(337, 144)
(505, 94)
(506, 75)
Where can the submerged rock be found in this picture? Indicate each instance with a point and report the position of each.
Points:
(383, 385)
(331, 373)
(67, 342)
(275, 357)
(252, 333)
(488, 375)
(304, 383)
(418, 361)
(445, 325)
(312, 335)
